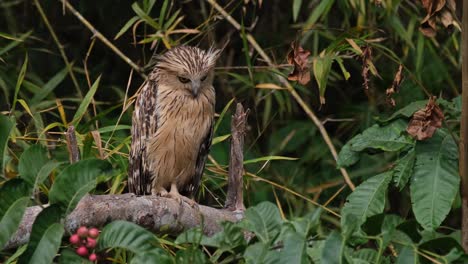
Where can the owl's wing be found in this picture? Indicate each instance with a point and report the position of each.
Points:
(191, 189)
(144, 126)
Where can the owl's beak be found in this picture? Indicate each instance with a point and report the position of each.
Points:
(195, 87)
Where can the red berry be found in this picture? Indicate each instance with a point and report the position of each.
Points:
(91, 243)
(75, 240)
(82, 231)
(93, 232)
(92, 257)
(82, 251)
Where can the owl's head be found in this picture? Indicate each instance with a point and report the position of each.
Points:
(187, 68)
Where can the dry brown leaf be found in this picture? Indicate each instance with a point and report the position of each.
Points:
(395, 88)
(299, 57)
(425, 122)
(366, 57)
(438, 11)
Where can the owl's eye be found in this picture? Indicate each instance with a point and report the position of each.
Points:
(203, 78)
(183, 80)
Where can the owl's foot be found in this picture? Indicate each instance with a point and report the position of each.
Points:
(160, 192)
(174, 194)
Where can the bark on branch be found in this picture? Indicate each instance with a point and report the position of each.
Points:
(234, 199)
(157, 214)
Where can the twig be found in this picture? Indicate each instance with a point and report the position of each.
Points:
(72, 145)
(463, 161)
(60, 47)
(293, 92)
(101, 37)
(234, 199)
(157, 214)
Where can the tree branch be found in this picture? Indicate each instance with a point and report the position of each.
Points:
(157, 214)
(234, 199)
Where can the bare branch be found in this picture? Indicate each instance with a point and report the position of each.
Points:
(72, 145)
(234, 199)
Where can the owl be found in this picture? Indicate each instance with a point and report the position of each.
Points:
(172, 124)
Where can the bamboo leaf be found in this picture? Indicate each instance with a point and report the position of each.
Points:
(85, 103)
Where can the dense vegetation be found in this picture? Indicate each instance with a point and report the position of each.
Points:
(56, 72)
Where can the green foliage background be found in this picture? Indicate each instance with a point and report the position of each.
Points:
(55, 72)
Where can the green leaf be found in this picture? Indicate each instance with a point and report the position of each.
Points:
(264, 220)
(407, 255)
(347, 157)
(333, 249)
(46, 236)
(156, 255)
(221, 116)
(387, 138)
(321, 10)
(75, 181)
(294, 248)
(268, 158)
(408, 110)
(260, 253)
(49, 86)
(14, 198)
(366, 200)
(31, 162)
(122, 234)
(19, 82)
(68, 256)
(404, 169)
(85, 103)
(144, 16)
(321, 67)
(435, 180)
(189, 256)
(14, 257)
(296, 8)
(15, 43)
(6, 125)
(127, 25)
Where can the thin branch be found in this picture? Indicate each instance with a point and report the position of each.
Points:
(101, 37)
(293, 92)
(60, 47)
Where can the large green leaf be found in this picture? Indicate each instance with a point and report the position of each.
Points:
(435, 180)
(264, 220)
(75, 181)
(122, 234)
(333, 249)
(294, 248)
(390, 137)
(407, 255)
(46, 236)
(5, 128)
(404, 169)
(260, 253)
(387, 138)
(31, 162)
(368, 199)
(14, 198)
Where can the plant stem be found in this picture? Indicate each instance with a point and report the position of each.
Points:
(463, 159)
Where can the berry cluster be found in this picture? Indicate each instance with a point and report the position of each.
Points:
(85, 241)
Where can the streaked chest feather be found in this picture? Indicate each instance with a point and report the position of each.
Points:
(183, 122)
